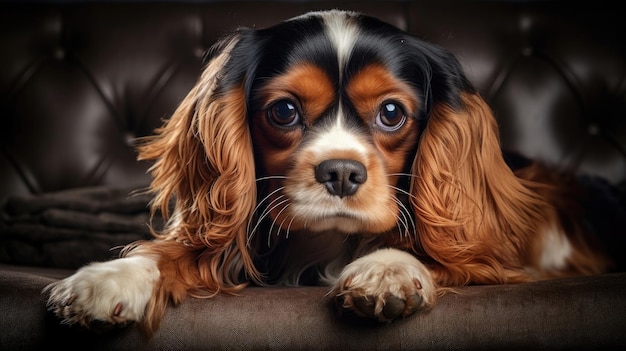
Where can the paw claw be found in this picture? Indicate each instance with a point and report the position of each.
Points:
(347, 283)
(71, 300)
(118, 309)
(414, 302)
(113, 292)
(385, 285)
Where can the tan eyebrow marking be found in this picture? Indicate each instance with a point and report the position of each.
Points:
(374, 84)
(307, 83)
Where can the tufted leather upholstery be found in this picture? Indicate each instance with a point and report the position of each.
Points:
(80, 81)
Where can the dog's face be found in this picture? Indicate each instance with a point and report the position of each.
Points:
(328, 122)
(337, 123)
(336, 103)
(338, 128)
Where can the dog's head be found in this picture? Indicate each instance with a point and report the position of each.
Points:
(330, 121)
(336, 103)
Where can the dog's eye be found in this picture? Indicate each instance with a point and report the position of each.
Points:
(390, 117)
(284, 113)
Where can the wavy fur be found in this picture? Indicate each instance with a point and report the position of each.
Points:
(204, 166)
(367, 145)
(477, 221)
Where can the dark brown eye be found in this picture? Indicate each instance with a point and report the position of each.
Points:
(284, 113)
(390, 117)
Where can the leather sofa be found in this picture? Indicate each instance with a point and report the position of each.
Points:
(81, 80)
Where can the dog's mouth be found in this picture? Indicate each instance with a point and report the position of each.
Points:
(315, 210)
(318, 210)
(342, 224)
(348, 193)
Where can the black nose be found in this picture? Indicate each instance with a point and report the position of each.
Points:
(341, 177)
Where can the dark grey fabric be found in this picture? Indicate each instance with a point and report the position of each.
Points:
(68, 229)
(578, 313)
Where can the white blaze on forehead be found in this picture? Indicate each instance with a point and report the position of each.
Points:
(342, 33)
(341, 29)
(337, 138)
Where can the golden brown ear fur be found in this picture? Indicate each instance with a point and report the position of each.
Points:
(203, 161)
(475, 219)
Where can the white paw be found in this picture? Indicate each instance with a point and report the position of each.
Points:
(114, 292)
(384, 285)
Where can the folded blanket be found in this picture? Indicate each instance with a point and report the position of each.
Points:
(68, 229)
(71, 228)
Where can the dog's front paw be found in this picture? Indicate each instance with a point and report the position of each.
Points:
(384, 285)
(114, 292)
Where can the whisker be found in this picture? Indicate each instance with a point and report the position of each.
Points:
(281, 226)
(403, 191)
(408, 219)
(406, 213)
(272, 205)
(270, 177)
(265, 212)
(269, 234)
(256, 208)
(283, 222)
(289, 227)
(403, 175)
(402, 219)
(398, 224)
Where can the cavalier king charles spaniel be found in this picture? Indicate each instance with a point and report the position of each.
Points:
(334, 149)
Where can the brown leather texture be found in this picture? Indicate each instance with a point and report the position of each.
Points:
(79, 81)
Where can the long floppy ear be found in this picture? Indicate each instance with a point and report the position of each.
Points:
(204, 163)
(474, 216)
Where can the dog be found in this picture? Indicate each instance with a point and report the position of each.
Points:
(336, 149)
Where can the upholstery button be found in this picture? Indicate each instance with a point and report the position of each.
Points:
(593, 129)
(199, 52)
(59, 53)
(527, 51)
(130, 138)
